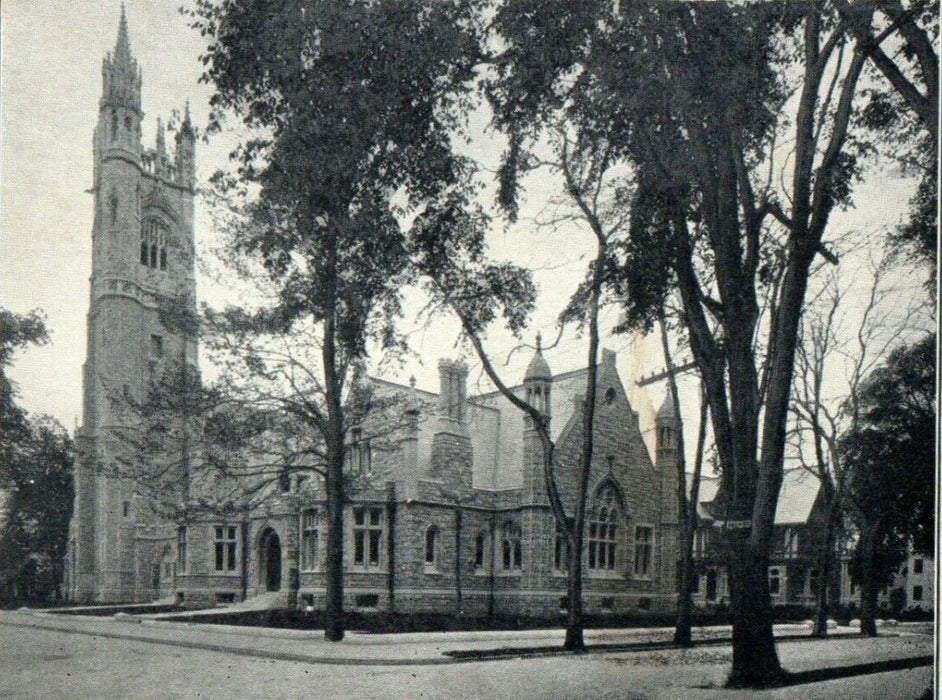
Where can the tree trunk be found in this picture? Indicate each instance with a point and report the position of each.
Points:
(575, 638)
(755, 660)
(683, 633)
(824, 568)
(333, 609)
(333, 613)
(459, 605)
(868, 584)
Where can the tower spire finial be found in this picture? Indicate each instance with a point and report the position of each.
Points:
(122, 48)
(539, 342)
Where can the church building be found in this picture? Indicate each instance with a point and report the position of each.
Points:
(448, 513)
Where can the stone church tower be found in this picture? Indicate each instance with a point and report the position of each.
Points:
(142, 263)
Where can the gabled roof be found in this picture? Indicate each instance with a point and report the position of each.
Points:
(795, 499)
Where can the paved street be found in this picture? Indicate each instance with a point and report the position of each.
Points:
(77, 661)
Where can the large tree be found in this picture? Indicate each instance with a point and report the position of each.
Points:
(17, 331)
(699, 97)
(348, 105)
(35, 479)
(461, 278)
(839, 346)
(33, 536)
(890, 456)
(688, 494)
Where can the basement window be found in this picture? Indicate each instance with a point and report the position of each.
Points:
(367, 600)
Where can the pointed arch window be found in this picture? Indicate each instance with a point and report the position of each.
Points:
(511, 549)
(604, 529)
(480, 550)
(154, 236)
(431, 547)
(113, 208)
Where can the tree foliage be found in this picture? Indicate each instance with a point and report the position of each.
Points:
(891, 452)
(903, 105)
(34, 532)
(349, 107)
(35, 480)
(697, 97)
(17, 331)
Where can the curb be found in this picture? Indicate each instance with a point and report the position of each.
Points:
(240, 651)
(446, 657)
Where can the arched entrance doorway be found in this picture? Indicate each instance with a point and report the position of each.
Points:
(270, 560)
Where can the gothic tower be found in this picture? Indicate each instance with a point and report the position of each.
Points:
(537, 523)
(142, 265)
(668, 426)
(537, 384)
(667, 455)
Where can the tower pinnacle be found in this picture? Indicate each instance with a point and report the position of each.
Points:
(186, 127)
(161, 139)
(122, 47)
(120, 72)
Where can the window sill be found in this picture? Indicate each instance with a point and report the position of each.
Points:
(432, 570)
(510, 574)
(608, 574)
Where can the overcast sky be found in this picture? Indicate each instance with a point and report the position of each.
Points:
(50, 84)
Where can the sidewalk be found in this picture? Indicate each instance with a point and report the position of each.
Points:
(425, 648)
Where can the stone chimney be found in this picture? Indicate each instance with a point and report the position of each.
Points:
(453, 377)
(452, 456)
(409, 443)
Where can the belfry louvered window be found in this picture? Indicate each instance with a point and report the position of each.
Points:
(154, 237)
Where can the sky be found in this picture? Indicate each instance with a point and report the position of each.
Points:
(50, 83)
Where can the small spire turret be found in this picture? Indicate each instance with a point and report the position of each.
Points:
(185, 154)
(161, 140)
(186, 128)
(667, 422)
(538, 380)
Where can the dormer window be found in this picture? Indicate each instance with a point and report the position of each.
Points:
(154, 245)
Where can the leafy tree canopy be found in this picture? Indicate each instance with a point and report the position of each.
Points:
(892, 452)
(351, 105)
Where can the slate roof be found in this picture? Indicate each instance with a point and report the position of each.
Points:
(795, 500)
(538, 368)
(666, 411)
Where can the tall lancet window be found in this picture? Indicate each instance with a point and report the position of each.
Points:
(154, 237)
(603, 529)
